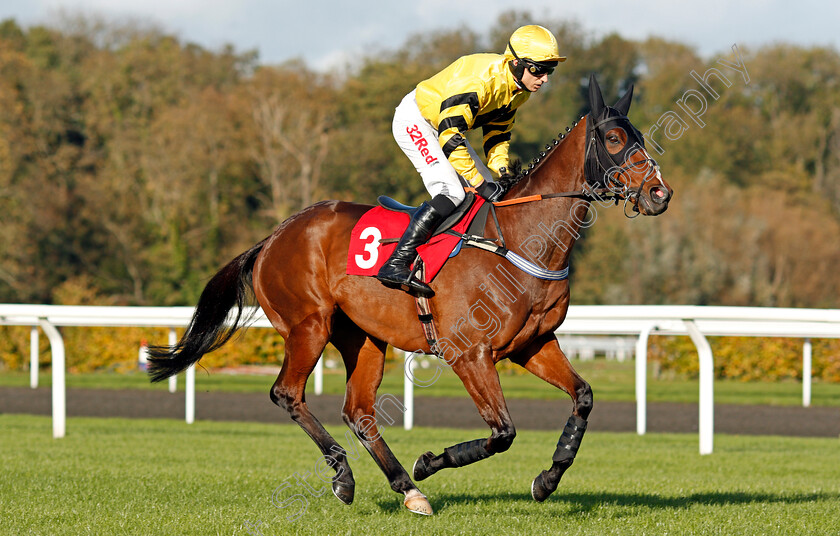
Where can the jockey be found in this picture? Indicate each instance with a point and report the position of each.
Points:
(479, 90)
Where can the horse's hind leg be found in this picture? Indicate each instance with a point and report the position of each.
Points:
(364, 358)
(546, 360)
(304, 345)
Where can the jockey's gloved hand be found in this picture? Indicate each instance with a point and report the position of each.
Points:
(490, 191)
(505, 175)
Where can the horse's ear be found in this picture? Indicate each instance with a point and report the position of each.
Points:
(596, 100)
(623, 104)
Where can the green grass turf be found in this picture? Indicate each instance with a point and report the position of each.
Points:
(149, 477)
(610, 380)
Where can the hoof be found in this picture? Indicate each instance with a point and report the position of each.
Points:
(344, 492)
(421, 469)
(539, 489)
(416, 502)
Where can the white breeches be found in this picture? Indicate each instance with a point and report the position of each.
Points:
(419, 141)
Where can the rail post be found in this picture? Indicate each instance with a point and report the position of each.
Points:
(408, 389)
(806, 373)
(319, 375)
(173, 380)
(59, 395)
(33, 357)
(707, 393)
(641, 379)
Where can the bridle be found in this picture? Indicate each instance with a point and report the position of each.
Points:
(597, 174)
(600, 183)
(603, 182)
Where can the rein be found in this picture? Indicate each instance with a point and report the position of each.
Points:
(498, 246)
(610, 187)
(589, 194)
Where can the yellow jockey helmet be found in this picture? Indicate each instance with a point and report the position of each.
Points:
(533, 43)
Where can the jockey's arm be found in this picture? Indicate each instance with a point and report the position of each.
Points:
(497, 142)
(454, 123)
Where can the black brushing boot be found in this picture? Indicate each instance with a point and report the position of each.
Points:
(396, 272)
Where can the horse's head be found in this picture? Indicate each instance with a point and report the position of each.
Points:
(616, 158)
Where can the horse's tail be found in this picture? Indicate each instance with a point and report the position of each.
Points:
(209, 328)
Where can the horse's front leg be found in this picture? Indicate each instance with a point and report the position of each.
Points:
(478, 373)
(546, 360)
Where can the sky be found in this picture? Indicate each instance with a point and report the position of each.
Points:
(326, 34)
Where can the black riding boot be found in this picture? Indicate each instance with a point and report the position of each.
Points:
(396, 272)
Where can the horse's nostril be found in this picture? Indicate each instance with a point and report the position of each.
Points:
(659, 194)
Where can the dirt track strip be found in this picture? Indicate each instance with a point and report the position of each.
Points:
(433, 412)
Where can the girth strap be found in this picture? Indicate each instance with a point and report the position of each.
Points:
(517, 260)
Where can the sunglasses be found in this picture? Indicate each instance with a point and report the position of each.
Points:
(538, 70)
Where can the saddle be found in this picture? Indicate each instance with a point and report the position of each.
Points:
(476, 226)
(375, 235)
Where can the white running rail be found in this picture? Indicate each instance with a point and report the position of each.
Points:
(640, 321)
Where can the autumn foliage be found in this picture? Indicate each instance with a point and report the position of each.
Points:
(133, 165)
(747, 358)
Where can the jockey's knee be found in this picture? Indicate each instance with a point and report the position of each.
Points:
(444, 204)
(444, 182)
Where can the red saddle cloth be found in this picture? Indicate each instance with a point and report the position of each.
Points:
(366, 255)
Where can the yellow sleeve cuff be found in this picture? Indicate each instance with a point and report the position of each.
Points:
(473, 177)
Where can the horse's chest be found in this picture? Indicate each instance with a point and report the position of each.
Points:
(544, 320)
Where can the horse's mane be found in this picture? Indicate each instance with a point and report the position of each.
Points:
(517, 170)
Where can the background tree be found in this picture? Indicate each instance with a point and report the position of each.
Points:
(292, 116)
(133, 164)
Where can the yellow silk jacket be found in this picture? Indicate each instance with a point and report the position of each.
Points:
(475, 91)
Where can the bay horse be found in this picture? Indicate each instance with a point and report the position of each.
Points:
(298, 276)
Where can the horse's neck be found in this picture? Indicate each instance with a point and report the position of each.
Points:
(561, 170)
(545, 231)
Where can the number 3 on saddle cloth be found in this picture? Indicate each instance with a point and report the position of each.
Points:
(386, 223)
